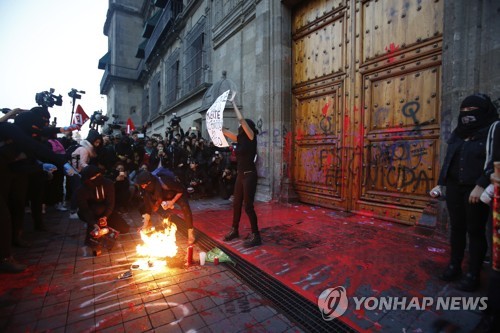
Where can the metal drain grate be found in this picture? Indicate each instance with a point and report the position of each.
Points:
(294, 305)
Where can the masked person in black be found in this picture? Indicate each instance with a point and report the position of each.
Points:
(163, 191)
(96, 202)
(15, 145)
(29, 177)
(463, 176)
(246, 179)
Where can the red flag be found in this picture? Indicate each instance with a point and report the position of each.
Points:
(80, 116)
(130, 126)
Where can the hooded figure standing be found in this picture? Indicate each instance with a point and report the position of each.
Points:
(95, 200)
(246, 179)
(463, 176)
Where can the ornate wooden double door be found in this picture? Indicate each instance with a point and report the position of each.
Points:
(366, 111)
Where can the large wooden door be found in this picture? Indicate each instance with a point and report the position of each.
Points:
(366, 114)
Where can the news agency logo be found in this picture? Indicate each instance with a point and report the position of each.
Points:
(333, 303)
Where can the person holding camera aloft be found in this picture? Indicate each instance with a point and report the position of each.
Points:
(465, 180)
(246, 179)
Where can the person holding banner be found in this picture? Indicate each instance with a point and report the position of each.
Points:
(246, 179)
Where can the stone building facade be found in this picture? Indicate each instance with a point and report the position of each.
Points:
(171, 57)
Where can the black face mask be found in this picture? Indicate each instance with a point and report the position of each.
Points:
(469, 122)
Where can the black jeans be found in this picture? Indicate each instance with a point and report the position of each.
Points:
(244, 193)
(466, 220)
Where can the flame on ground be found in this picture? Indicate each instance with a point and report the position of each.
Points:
(158, 244)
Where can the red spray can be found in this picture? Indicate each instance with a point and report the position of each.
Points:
(190, 255)
(216, 260)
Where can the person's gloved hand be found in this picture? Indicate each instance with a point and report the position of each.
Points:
(71, 128)
(47, 167)
(146, 220)
(167, 205)
(488, 194)
(436, 192)
(69, 170)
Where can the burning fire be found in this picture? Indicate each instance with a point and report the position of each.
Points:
(157, 246)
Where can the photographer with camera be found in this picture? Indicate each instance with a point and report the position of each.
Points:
(174, 123)
(158, 158)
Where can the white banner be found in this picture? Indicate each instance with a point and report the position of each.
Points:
(214, 121)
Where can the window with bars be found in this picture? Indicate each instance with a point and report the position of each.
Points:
(172, 78)
(195, 56)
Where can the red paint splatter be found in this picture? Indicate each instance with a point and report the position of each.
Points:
(41, 289)
(325, 109)
(391, 50)
(203, 292)
(299, 135)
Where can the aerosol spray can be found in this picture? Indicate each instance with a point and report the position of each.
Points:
(190, 255)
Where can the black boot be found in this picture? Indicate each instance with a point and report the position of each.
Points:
(469, 283)
(9, 265)
(253, 240)
(451, 273)
(233, 234)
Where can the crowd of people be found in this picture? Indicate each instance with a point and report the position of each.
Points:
(42, 166)
(202, 168)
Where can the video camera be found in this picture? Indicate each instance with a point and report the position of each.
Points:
(48, 99)
(175, 121)
(116, 124)
(98, 119)
(75, 94)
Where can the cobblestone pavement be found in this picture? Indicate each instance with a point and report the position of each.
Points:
(68, 289)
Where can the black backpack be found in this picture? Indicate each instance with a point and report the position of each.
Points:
(70, 150)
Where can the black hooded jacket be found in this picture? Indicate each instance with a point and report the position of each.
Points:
(96, 198)
(160, 189)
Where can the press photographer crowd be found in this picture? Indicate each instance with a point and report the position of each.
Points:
(101, 177)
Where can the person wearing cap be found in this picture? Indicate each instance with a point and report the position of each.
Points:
(463, 176)
(95, 200)
(246, 179)
(164, 191)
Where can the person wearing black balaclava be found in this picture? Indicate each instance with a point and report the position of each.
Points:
(463, 176)
(246, 179)
(95, 200)
(14, 144)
